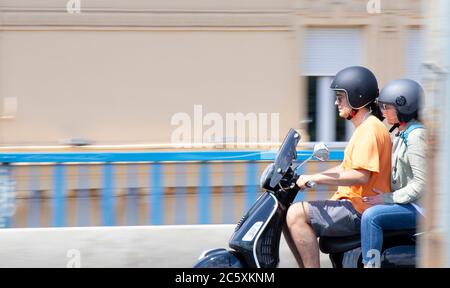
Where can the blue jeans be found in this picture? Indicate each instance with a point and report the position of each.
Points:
(384, 217)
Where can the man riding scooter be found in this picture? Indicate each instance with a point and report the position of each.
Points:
(365, 169)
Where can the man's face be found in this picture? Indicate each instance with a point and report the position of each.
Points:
(342, 104)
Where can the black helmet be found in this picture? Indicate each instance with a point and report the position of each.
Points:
(406, 95)
(360, 85)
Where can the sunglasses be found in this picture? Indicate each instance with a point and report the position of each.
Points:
(339, 98)
(384, 106)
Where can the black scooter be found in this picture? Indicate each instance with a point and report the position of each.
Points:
(256, 239)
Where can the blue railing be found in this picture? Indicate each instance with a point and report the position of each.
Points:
(156, 196)
(73, 157)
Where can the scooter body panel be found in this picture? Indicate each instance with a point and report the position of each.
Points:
(220, 258)
(257, 235)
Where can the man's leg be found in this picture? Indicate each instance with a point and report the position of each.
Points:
(291, 244)
(303, 236)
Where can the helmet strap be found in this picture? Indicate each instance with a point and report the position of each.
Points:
(396, 125)
(352, 114)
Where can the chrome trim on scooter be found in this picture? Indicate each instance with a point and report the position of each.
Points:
(204, 253)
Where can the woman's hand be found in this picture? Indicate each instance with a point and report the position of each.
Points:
(374, 200)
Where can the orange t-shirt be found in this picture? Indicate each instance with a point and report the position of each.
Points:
(369, 149)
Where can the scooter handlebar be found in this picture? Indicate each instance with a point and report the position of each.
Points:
(310, 184)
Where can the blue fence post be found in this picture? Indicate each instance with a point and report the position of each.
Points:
(108, 201)
(180, 194)
(156, 194)
(228, 193)
(83, 196)
(204, 200)
(132, 197)
(59, 203)
(7, 196)
(251, 185)
(34, 202)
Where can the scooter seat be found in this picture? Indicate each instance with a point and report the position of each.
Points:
(330, 245)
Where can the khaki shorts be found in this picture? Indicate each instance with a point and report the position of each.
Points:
(334, 218)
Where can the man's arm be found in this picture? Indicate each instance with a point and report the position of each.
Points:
(343, 178)
(333, 170)
(336, 177)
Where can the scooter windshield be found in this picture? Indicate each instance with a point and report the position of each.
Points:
(286, 154)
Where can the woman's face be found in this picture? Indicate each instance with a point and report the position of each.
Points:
(390, 113)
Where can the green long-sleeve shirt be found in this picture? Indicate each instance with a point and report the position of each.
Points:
(408, 173)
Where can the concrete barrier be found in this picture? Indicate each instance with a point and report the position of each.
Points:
(130, 246)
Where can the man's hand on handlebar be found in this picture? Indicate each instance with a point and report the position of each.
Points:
(306, 181)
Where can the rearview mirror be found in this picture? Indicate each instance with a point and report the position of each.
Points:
(321, 152)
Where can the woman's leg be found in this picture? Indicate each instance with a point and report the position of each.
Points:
(383, 217)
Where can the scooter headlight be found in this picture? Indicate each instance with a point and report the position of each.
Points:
(264, 181)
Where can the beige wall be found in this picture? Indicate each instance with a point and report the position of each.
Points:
(121, 87)
(117, 72)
